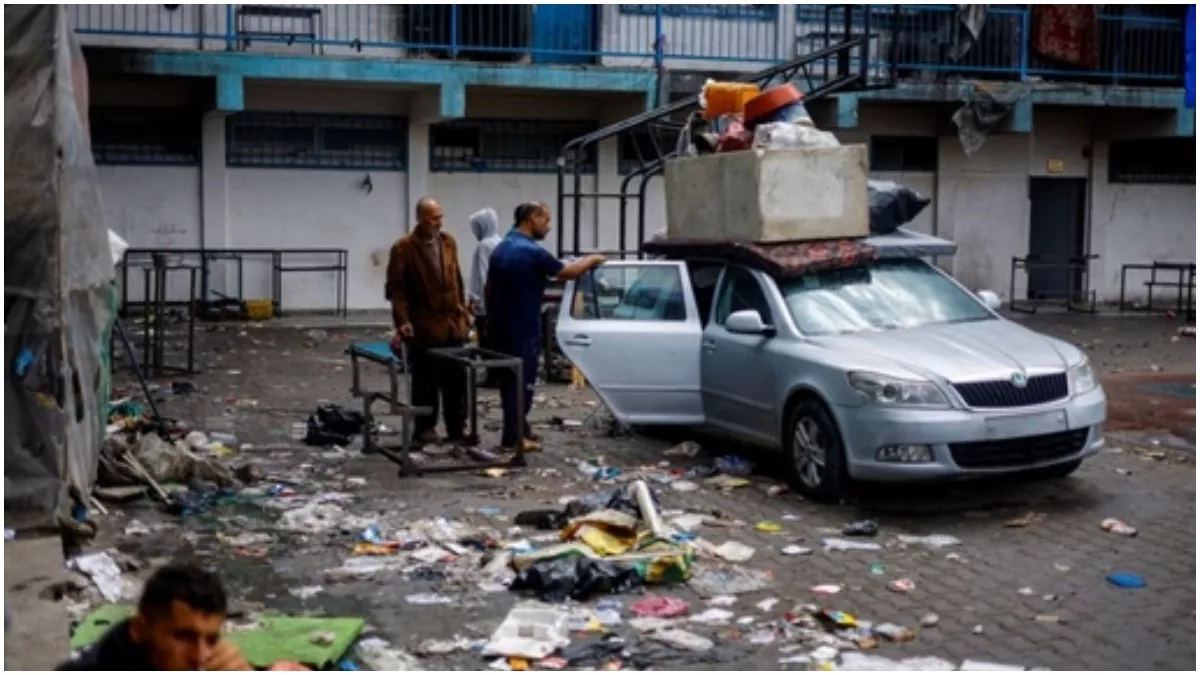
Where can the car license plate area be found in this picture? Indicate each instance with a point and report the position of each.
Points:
(1018, 426)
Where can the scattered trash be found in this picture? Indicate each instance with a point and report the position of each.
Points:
(660, 607)
(1025, 520)
(894, 633)
(682, 639)
(530, 631)
(1026, 591)
(876, 569)
(834, 544)
(305, 592)
(776, 490)
(105, 574)
(709, 582)
(727, 482)
(931, 541)
(971, 664)
(837, 619)
(578, 578)
(713, 616)
(1117, 527)
(542, 520)
(930, 620)
(862, 528)
(376, 654)
(495, 472)
(429, 599)
(684, 486)
(1126, 580)
(734, 551)
(767, 604)
(769, 527)
(733, 465)
(978, 629)
(793, 549)
(333, 425)
(901, 585)
(686, 449)
(826, 589)
(136, 528)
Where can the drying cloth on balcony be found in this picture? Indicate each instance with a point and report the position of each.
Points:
(969, 20)
(984, 109)
(1067, 33)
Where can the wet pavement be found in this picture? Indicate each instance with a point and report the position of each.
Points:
(1026, 585)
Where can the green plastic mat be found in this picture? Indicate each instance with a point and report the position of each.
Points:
(281, 638)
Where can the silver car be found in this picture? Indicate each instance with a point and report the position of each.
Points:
(889, 371)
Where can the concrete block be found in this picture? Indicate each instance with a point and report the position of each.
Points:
(769, 196)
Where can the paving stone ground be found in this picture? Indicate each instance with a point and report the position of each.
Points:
(260, 380)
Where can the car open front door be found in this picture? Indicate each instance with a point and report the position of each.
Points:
(633, 330)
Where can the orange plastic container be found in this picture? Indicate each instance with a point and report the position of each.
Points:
(769, 101)
(725, 98)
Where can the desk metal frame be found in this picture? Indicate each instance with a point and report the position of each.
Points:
(1185, 283)
(468, 358)
(1078, 297)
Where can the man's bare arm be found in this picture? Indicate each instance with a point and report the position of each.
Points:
(580, 267)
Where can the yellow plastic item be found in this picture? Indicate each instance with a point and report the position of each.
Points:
(259, 309)
(725, 98)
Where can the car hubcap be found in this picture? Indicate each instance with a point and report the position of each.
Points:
(809, 452)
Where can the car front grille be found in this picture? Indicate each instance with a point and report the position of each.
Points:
(1004, 394)
(1016, 452)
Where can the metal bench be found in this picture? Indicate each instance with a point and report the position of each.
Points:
(1183, 283)
(1076, 269)
(289, 14)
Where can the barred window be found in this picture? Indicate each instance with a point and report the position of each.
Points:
(512, 146)
(313, 141)
(145, 135)
(1170, 161)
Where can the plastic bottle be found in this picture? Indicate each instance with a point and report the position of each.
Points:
(725, 98)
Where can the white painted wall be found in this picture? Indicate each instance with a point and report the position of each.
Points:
(735, 45)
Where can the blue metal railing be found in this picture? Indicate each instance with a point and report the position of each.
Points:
(1126, 50)
(1134, 49)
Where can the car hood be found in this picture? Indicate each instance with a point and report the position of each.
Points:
(957, 352)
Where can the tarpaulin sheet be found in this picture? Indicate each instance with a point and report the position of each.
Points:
(58, 271)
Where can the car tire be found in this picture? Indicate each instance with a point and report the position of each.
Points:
(1058, 471)
(811, 419)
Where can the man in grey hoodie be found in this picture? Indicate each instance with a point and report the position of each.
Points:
(485, 225)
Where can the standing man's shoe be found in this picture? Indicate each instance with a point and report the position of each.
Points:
(427, 437)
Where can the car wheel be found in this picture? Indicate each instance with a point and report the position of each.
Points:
(1058, 470)
(815, 453)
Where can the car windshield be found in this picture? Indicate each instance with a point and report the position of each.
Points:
(884, 295)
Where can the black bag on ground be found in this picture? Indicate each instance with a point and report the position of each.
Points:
(333, 425)
(892, 205)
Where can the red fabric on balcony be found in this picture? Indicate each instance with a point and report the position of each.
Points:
(1067, 33)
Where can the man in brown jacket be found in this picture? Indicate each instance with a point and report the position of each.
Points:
(429, 310)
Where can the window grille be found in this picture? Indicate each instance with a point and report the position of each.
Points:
(511, 146)
(903, 153)
(1167, 161)
(736, 12)
(145, 135)
(313, 141)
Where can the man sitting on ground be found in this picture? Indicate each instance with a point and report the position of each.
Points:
(177, 627)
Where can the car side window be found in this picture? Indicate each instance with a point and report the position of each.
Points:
(740, 290)
(630, 293)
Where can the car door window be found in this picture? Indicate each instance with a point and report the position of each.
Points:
(740, 290)
(630, 293)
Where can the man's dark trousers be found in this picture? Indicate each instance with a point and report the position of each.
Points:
(526, 348)
(431, 376)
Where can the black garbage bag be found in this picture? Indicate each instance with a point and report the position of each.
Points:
(577, 578)
(543, 519)
(892, 205)
(333, 425)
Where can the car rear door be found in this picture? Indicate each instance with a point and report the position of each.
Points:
(633, 330)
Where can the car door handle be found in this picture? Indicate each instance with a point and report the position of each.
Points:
(709, 346)
(579, 340)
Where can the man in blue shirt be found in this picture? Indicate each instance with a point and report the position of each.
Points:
(516, 283)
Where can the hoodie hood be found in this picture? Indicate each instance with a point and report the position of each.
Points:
(484, 224)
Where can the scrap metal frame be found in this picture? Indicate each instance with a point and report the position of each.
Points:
(468, 358)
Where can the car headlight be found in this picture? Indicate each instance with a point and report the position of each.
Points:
(894, 391)
(1083, 379)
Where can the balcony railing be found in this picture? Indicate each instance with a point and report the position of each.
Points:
(1134, 44)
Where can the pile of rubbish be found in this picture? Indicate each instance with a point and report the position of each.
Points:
(736, 116)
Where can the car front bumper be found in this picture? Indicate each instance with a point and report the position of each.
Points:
(1009, 435)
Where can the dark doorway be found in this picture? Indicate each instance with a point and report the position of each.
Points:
(1056, 238)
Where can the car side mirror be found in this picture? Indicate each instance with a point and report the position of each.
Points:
(748, 322)
(990, 300)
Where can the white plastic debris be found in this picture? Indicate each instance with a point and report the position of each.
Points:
(794, 549)
(312, 518)
(649, 511)
(304, 592)
(104, 572)
(734, 551)
(530, 631)
(836, 544)
(826, 589)
(136, 528)
(713, 616)
(932, 541)
(429, 599)
(1117, 527)
(927, 663)
(971, 664)
(688, 522)
(682, 639)
(376, 654)
(767, 604)
(722, 601)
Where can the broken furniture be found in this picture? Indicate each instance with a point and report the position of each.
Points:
(339, 266)
(283, 23)
(156, 311)
(1184, 281)
(1075, 270)
(470, 359)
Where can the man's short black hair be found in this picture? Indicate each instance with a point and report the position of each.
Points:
(197, 588)
(526, 211)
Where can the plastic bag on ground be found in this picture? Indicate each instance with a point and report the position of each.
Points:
(333, 425)
(892, 205)
(578, 578)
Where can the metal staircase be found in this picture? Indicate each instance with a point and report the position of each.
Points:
(841, 64)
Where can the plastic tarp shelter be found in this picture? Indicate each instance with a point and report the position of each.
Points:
(58, 274)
